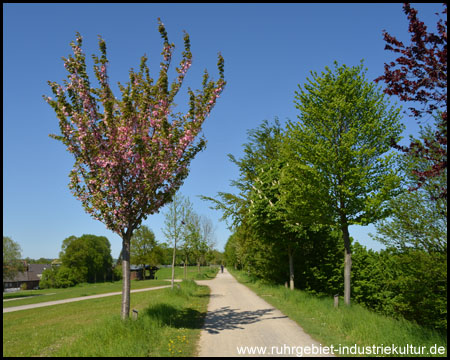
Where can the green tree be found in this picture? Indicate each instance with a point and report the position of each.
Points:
(48, 279)
(419, 218)
(192, 237)
(262, 206)
(266, 213)
(166, 253)
(234, 256)
(174, 224)
(343, 136)
(60, 277)
(198, 237)
(88, 257)
(11, 258)
(215, 257)
(208, 239)
(38, 261)
(157, 255)
(143, 243)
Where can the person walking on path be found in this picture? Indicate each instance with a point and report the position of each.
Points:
(221, 268)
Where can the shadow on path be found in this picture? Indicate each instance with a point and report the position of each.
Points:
(229, 319)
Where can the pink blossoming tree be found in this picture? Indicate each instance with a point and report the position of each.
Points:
(131, 155)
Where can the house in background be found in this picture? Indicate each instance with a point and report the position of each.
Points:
(137, 271)
(31, 278)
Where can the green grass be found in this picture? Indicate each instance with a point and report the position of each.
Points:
(344, 326)
(27, 297)
(37, 296)
(206, 272)
(168, 324)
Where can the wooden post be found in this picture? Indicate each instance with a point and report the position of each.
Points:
(135, 314)
(336, 300)
(286, 285)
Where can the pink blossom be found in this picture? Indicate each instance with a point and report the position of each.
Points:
(112, 180)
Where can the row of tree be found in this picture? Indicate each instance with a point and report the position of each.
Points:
(302, 186)
(408, 279)
(333, 167)
(192, 234)
(88, 258)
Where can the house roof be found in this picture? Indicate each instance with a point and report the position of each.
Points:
(20, 276)
(33, 273)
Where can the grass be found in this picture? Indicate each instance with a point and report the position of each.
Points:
(206, 272)
(168, 324)
(27, 297)
(344, 326)
(36, 296)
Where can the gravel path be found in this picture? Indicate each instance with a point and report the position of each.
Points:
(237, 318)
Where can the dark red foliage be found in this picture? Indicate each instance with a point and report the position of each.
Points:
(420, 74)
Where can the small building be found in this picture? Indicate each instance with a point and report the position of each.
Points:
(136, 271)
(29, 279)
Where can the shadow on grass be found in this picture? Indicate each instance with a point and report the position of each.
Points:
(205, 276)
(168, 315)
(13, 296)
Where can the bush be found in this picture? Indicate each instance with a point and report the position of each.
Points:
(411, 284)
(48, 279)
(117, 272)
(23, 286)
(65, 278)
(59, 277)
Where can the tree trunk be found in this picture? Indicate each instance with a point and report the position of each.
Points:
(126, 276)
(185, 269)
(291, 268)
(198, 266)
(143, 271)
(173, 261)
(348, 260)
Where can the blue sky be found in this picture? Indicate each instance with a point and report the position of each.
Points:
(268, 49)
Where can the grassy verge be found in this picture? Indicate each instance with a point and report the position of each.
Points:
(205, 273)
(168, 324)
(347, 326)
(27, 297)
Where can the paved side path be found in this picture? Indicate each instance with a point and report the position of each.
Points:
(237, 317)
(56, 302)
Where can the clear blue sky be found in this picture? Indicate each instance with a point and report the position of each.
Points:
(268, 48)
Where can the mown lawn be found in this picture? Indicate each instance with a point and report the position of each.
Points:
(163, 275)
(168, 324)
(37, 296)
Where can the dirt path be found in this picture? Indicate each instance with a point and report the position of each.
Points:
(238, 318)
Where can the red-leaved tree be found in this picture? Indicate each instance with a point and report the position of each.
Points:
(131, 155)
(419, 74)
